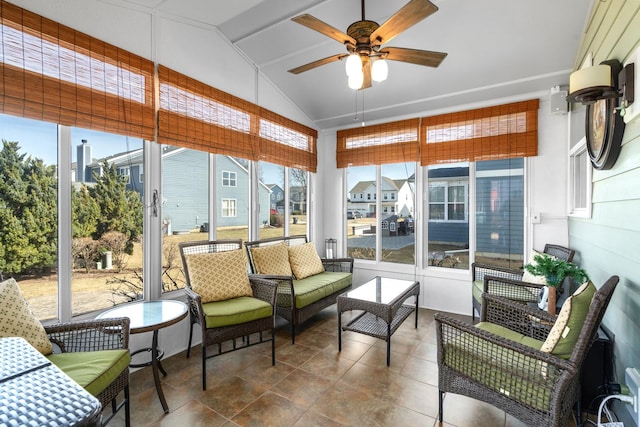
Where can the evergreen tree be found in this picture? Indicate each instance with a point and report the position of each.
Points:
(85, 213)
(120, 209)
(28, 214)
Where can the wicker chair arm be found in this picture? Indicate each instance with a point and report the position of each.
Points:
(344, 265)
(529, 321)
(516, 290)
(91, 335)
(263, 289)
(480, 270)
(508, 356)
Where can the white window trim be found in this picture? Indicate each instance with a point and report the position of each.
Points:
(575, 211)
(227, 207)
(446, 185)
(232, 179)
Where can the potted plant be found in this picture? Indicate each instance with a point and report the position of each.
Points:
(555, 271)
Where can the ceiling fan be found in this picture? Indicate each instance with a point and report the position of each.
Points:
(364, 40)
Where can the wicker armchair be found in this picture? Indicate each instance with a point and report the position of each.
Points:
(512, 287)
(241, 317)
(97, 335)
(537, 387)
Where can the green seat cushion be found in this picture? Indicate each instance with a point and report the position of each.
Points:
(314, 288)
(235, 311)
(513, 292)
(93, 370)
(490, 365)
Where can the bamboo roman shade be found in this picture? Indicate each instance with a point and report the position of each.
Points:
(393, 142)
(492, 133)
(53, 73)
(197, 116)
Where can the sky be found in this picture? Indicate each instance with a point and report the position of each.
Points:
(39, 139)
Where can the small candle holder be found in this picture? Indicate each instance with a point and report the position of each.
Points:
(330, 248)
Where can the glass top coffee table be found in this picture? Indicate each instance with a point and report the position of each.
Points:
(382, 302)
(149, 316)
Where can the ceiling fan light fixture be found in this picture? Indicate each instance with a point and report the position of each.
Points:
(353, 65)
(379, 70)
(356, 80)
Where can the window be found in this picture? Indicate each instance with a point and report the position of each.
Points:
(298, 189)
(124, 173)
(361, 232)
(141, 173)
(229, 207)
(580, 171)
(229, 179)
(271, 218)
(29, 240)
(448, 210)
(448, 201)
(106, 222)
(185, 207)
(500, 212)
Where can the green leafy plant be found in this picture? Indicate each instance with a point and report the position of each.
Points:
(555, 270)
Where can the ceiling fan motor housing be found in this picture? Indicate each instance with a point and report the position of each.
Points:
(360, 32)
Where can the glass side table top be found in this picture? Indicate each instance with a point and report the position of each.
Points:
(382, 290)
(148, 315)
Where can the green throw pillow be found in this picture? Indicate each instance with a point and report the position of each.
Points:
(565, 331)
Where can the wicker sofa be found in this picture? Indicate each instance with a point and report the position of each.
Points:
(299, 298)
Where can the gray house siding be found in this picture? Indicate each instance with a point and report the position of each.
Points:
(608, 243)
(184, 189)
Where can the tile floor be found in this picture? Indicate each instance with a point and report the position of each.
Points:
(312, 384)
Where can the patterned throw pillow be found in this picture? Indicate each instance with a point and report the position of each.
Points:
(17, 319)
(532, 278)
(305, 261)
(565, 331)
(272, 260)
(219, 276)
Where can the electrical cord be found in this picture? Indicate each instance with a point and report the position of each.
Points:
(621, 397)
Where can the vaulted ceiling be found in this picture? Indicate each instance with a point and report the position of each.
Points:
(496, 49)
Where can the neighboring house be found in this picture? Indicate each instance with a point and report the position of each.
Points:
(406, 196)
(184, 195)
(298, 199)
(277, 195)
(362, 197)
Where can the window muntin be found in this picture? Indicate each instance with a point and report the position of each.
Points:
(229, 179)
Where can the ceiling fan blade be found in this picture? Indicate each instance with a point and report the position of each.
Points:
(427, 58)
(410, 14)
(317, 63)
(366, 70)
(324, 28)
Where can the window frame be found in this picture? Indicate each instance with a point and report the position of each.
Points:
(579, 186)
(228, 208)
(231, 179)
(446, 184)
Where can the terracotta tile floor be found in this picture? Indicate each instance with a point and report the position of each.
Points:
(312, 384)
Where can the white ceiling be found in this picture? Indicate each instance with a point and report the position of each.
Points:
(496, 49)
